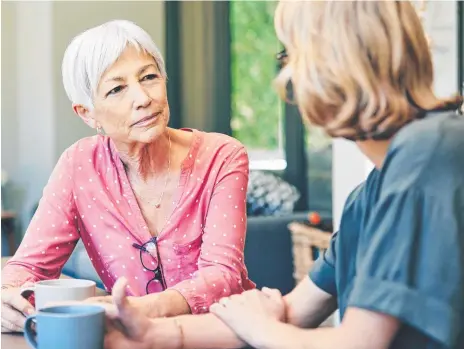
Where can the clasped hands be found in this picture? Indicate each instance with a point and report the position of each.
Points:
(246, 314)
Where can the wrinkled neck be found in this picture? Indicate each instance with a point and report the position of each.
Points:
(142, 160)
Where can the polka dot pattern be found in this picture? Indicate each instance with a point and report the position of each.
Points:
(88, 197)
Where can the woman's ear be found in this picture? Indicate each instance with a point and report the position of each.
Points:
(85, 114)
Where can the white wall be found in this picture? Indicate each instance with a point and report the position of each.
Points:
(441, 26)
(349, 168)
(37, 119)
(8, 92)
(34, 97)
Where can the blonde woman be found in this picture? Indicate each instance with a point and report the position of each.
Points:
(361, 70)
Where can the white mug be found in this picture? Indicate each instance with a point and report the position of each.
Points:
(60, 290)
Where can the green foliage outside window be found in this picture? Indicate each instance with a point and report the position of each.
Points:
(256, 107)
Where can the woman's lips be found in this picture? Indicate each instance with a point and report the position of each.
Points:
(147, 120)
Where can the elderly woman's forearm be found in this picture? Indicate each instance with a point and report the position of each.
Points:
(20, 270)
(208, 285)
(165, 304)
(52, 233)
(15, 276)
(204, 331)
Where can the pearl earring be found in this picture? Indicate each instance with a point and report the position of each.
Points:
(99, 130)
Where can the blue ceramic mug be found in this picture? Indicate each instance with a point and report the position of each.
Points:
(66, 326)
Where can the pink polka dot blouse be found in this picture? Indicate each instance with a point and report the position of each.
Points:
(89, 197)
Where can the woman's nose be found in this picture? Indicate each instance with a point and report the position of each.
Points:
(141, 98)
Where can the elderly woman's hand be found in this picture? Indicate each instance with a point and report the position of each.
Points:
(145, 305)
(15, 308)
(127, 327)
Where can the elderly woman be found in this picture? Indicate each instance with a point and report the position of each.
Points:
(362, 71)
(163, 207)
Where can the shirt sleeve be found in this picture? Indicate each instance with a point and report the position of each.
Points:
(221, 269)
(51, 235)
(323, 270)
(322, 274)
(410, 265)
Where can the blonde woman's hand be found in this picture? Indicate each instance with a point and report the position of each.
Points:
(271, 301)
(250, 313)
(275, 303)
(15, 309)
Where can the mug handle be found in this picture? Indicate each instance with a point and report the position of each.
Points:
(27, 291)
(29, 333)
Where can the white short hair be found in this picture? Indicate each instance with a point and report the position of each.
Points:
(92, 52)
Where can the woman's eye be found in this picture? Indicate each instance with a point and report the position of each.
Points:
(150, 77)
(115, 90)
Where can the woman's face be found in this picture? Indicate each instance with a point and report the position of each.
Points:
(130, 103)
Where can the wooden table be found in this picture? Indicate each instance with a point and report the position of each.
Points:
(14, 341)
(17, 340)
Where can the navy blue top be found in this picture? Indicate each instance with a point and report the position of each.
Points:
(400, 246)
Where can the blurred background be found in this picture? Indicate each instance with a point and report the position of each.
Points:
(220, 58)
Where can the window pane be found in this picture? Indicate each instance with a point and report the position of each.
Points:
(256, 108)
(440, 22)
(319, 157)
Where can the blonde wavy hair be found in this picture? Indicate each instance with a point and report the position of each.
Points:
(359, 69)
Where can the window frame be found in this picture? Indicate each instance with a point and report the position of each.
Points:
(296, 170)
